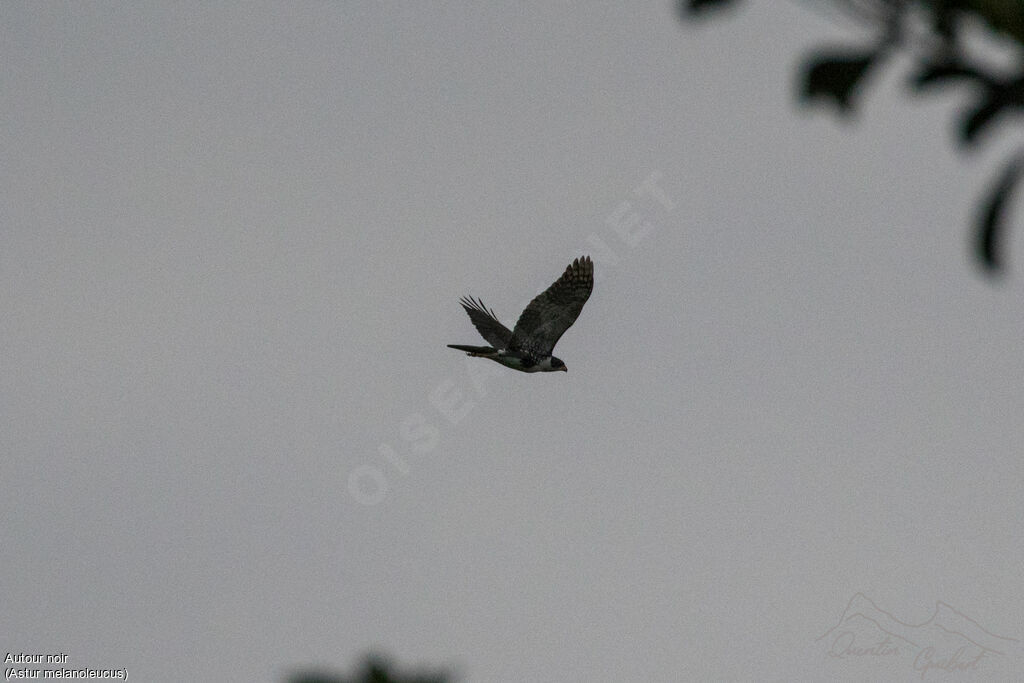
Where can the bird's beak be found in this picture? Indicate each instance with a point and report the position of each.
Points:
(564, 369)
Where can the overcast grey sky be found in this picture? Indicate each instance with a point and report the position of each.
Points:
(233, 441)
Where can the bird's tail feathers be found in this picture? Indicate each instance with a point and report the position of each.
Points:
(473, 350)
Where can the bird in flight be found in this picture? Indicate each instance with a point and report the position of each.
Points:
(528, 347)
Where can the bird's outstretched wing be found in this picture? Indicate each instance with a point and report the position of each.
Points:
(551, 313)
(486, 323)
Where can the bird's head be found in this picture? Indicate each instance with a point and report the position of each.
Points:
(557, 364)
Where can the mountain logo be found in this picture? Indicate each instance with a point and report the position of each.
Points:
(948, 640)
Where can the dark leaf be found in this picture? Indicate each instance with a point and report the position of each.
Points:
(940, 73)
(689, 8)
(992, 221)
(999, 97)
(980, 117)
(835, 77)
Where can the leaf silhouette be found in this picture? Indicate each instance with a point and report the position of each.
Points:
(835, 77)
(941, 73)
(694, 7)
(978, 118)
(1000, 96)
(990, 227)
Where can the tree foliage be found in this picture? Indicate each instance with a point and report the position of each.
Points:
(836, 77)
(374, 669)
